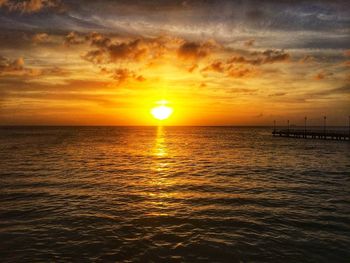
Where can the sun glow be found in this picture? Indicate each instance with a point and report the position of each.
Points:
(161, 112)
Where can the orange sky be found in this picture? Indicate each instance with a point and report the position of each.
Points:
(63, 64)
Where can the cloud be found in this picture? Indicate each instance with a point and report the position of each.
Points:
(16, 67)
(345, 89)
(109, 52)
(98, 40)
(242, 90)
(11, 67)
(278, 94)
(249, 43)
(230, 69)
(192, 68)
(240, 66)
(31, 6)
(323, 75)
(122, 74)
(241, 72)
(256, 58)
(342, 90)
(216, 66)
(54, 71)
(194, 50)
(40, 38)
(307, 59)
(72, 38)
(273, 56)
(132, 50)
(96, 56)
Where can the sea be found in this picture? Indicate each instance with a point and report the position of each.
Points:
(172, 194)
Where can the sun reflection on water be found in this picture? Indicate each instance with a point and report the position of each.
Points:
(160, 151)
(161, 177)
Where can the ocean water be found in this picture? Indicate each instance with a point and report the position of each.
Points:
(171, 194)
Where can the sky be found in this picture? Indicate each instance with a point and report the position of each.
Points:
(215, 62)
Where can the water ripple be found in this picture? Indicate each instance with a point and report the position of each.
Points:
(172, 194)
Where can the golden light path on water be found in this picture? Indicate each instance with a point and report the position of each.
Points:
(161, 180)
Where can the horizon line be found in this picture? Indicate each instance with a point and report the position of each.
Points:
(228, 125)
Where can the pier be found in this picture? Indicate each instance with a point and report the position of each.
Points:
(307, 133)
(299, 133)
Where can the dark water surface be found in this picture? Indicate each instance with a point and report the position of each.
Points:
(172, 194)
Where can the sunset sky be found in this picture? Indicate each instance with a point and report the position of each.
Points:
(214, 62)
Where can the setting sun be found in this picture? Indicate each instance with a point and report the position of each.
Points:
(161, 112)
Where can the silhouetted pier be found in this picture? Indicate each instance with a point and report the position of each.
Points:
(325, 134)
(329, 135)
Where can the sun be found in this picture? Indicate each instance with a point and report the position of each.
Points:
(161, 112)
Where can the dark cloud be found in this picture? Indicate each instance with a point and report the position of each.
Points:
(31, 6)
(195, 50)
(240, 66)
(132, 50)
(109, 52)
(272, 56)
(222, 19)
(241, 72)
(23, 41)
(342, 90)
(260, 58)
(122, 74)
(278, 94)
(242, 90)
(231, 70)
(96, 56)
(216, 66)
